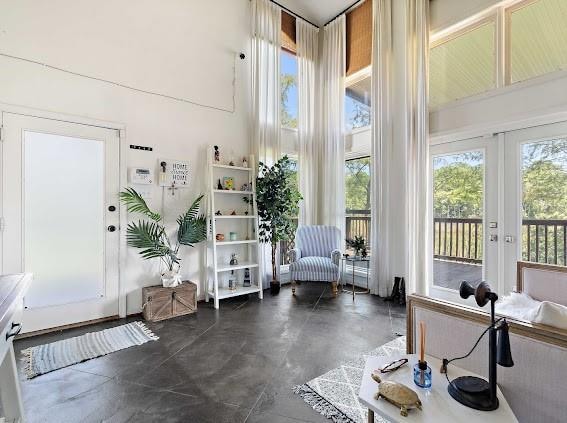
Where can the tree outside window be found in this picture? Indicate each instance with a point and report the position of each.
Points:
(288, 98)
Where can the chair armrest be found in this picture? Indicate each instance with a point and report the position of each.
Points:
(294, 254)
(336, 256)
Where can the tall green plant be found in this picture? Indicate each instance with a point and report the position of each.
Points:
(151, 236)
(277, 198)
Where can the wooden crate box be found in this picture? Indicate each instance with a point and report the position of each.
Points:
(160, 303)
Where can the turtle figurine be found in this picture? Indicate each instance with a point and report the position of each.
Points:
(397, 394)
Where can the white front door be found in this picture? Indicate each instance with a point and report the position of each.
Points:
(60, 215)
(464, 189)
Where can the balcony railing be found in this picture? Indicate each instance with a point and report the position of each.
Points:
(457, 239)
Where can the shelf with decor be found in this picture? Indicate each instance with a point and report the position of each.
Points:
(233, 251)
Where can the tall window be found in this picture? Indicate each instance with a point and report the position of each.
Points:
(289, 103)
(357, 104)
(463, 64)
(357, 198)
(538, 38)
(464, 61)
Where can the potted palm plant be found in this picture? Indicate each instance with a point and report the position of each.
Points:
(151, 237)
(277, 199)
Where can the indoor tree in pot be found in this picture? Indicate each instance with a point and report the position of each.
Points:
(151, 236)
(277, 199)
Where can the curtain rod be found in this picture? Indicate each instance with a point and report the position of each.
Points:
(291, 12)
(352, 6)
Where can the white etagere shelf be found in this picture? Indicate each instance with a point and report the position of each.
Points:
(245, 225)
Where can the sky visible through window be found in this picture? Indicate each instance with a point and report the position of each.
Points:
(289, 99)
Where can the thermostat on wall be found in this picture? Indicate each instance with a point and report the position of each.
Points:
(141, 176)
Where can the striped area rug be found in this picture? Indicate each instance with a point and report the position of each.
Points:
(56, 355)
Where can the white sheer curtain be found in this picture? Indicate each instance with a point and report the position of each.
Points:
(418, 211)
(307, 55)
(381, 147)
(266, 30)
(332, 187)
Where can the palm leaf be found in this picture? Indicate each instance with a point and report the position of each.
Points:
(136, 204)
(148, 236)
(191, 213)
(192, 231)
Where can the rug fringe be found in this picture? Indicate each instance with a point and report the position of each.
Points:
(320, 404)
(27, 358)
(147, 331)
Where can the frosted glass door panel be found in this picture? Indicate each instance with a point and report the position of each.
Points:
(64, 230)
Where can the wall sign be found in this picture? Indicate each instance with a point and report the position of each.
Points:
(173, 173)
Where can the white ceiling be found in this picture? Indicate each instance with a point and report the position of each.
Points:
(317, 11)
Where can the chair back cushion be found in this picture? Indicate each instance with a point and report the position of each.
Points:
(317, 241)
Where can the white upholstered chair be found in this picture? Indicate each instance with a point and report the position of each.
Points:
(316, 256)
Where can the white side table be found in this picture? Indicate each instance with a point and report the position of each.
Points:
(438, 405)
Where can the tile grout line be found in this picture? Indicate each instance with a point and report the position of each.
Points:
(286, 353)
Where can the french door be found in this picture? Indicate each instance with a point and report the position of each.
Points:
(497, 200)
(464, 192)
(535, 206)
(60, 184)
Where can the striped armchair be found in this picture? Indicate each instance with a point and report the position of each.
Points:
(316, 256)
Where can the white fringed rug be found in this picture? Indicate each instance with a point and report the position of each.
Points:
(56, 355)
(335, 394)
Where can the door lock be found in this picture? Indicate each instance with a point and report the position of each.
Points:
(111, 228)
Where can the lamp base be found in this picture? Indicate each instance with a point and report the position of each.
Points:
(473, 392)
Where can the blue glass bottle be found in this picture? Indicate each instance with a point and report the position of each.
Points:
(422, 374)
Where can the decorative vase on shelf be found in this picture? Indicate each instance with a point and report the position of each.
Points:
(171, 279)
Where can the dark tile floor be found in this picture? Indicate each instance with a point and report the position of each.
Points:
(236, 364)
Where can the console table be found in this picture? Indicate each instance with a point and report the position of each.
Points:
(12, 291)
(438, 405)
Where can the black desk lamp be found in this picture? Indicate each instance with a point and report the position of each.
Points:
(473, 391)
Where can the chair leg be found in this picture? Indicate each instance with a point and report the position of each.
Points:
(335, 289)
(293, 285)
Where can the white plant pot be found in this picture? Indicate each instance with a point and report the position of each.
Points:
(171, 279)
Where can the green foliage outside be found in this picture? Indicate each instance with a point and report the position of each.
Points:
(357, 184)
(277, 199)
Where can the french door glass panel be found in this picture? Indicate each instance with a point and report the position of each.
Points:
(464, 188)
(544, 201)
(63, 218)
(458, 211)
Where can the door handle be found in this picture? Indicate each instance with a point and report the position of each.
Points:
(111, 228)
(14, 330)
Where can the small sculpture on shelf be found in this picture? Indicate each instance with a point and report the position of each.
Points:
(244, 162)
(246, 281)
(233, 259)
(244, 187)
(233, 213)
(232, 281)
(216, 154)
(245, 212)
(220, 237)
(231, 160)
(218, 213)
(219, 185)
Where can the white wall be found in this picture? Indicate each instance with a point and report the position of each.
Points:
(180, 48)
